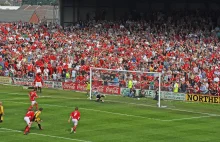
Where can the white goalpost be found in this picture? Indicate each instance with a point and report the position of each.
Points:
(118, 82)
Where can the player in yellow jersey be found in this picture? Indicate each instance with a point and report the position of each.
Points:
(1, 112)
(37, 117)
(88, 88)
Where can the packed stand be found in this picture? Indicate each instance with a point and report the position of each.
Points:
(183, 46)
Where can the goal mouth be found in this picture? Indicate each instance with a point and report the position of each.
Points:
(138, 85)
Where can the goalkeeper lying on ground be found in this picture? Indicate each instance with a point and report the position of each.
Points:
(37, 118)
(99, 97)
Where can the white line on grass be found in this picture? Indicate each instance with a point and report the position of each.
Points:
(181, 110)
(173, 109)
(180, 119)
(15, 99)
(46, 135)
(93, 110)
(7, 132)
(127, 114)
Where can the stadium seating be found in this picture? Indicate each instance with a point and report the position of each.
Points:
(182, 45)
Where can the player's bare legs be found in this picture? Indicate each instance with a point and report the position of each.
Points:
(39, 125)
(27, 128)
(36, 105)
(39, 88)
(30, 107)
(74, 129)
(1, 118)
(36, 88)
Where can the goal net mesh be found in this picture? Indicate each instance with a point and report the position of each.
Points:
(126, 86)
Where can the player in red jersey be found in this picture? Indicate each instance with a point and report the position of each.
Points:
(38, 82)
(29, 118)
(75, 116)
(33, 95)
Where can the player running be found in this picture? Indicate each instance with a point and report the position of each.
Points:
(37, 117)
(1, 112)
(29, 118)
(38, 82)
(75, 116)
(33, 95)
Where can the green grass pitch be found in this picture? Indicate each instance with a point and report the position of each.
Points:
(118, 119)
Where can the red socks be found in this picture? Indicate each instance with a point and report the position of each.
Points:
(30, 107)
(27, 129)
(74, 128)
(36, 106)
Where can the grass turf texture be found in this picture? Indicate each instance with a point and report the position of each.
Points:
(118, 119)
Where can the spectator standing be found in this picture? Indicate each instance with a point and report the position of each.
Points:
(176, 87)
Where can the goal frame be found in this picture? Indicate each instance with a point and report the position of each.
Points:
(93, 68)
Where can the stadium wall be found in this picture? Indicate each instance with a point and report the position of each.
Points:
(74, 10)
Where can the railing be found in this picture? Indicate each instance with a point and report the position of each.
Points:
(140, 84)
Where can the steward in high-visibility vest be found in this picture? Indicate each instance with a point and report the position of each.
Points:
(67, 75)
(130, 84)
(176, 88)
(88, 88)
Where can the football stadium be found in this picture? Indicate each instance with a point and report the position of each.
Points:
(109, 70)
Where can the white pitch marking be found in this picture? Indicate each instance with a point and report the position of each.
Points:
(181, 110)
(96, 110)
(15, 99)
(209, 114)
(46, 135)
(188, 118)
(129, 114)
(7, 132)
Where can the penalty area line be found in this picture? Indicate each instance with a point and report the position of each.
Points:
(46, 135)
(189, 118)
(122, 114)
(172, 109)
(162, 120)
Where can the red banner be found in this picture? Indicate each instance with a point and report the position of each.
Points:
(109, 89)
(74, 86)
(82, 87)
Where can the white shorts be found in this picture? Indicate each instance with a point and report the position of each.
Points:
(75, 122)
(38, 84)
(33, 103)
(27, 120)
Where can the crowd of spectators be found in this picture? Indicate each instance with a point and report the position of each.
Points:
(183, 46)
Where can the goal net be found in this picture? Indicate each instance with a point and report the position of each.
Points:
(125, 86)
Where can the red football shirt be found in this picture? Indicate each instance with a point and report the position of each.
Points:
(38, 79)
(32, 95)
(75, 115)
(30, 114)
